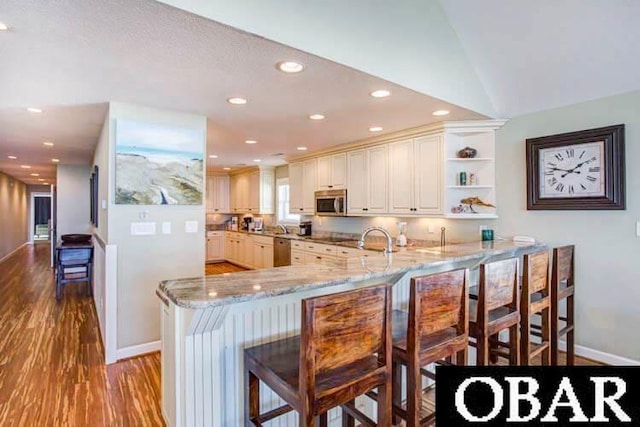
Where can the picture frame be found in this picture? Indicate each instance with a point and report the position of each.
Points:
(583, 170)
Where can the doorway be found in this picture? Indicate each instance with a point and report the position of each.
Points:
(40, 217)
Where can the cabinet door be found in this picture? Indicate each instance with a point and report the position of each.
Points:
(214, 248)
(267, 256)
(257, 255)
(211, 193)
(253, 191)
(267, 192)
(428, 174)
(324, 173)
(220, 188)
(246, 252)
(228, 249)
(309, 184)
(234, 193)
(357, 185)
(401, 188)
(295, 188)
(339, 171)
(377, 176)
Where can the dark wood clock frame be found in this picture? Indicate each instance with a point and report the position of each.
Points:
(613, 164)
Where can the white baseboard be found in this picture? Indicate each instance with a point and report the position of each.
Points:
(7, 256)
(600, 356)
(138, 350)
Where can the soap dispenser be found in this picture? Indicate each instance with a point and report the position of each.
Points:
(401, 240)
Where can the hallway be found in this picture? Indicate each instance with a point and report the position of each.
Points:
(52, 371)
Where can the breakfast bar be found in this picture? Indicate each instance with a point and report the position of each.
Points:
(208, 321)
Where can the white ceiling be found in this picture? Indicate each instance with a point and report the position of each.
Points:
(537, 55)
(70, 58)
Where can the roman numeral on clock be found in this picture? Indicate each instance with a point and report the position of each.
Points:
(560, 187)
(594, 169)
(569, 152)
(591, 178)
(559, 157)
(571, 189)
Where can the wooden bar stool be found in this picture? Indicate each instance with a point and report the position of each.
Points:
(435, 328)
(535, 300)
(495, 310)
(343, 352)
(563, 287)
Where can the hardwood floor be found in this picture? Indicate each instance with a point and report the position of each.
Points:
(221, 267)
(52, 371)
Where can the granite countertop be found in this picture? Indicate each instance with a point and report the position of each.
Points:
(229, 288)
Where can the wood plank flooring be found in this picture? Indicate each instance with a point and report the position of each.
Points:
(52, 371)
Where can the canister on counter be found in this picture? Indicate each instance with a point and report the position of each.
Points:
(462, 178)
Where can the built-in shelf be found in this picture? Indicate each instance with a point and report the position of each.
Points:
(471, 216)
(469, 186)
(475, 159)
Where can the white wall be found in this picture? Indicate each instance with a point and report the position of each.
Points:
(73, 214)
(143, 261)
(607, 249)
(13, 213)
(410, 43)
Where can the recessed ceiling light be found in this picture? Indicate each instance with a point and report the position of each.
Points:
(25, 166)
(34, 110)
(55, 160)
(251, 141)
(440, 112)
(302, 148)
(213, 156)
(3, 26)
(290, 67)
(40, 179)
(48, 143)
(227, 169)
(35, 174)
(375, 128)
(12, 157)
(380, 93)
(45, 183)
(237, 101)
(257, 160)
(316, 117)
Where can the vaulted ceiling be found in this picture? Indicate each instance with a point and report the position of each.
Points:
(490, 58)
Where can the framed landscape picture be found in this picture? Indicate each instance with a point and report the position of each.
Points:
(158, 165)
(582, 170)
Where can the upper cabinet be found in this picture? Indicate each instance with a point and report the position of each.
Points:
(367, 185)
(218, 194)
(332, 172)
(303, 179)
(252, 192)
(415, 176)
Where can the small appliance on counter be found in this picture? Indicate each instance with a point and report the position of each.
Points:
(258, 224)
(247, 223)
(233, 223)
(401, 240)
(305, 228)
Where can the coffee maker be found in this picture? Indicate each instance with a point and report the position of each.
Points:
(305, 228)
(247, 223)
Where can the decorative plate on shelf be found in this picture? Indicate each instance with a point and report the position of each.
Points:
(577, 171)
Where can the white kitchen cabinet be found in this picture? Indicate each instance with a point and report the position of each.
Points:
(297, 257)
(367, 181)
(215, 246)
(230, 248)
(302, 186)
(218, 194)
(262, 254)
(253, 192)
(415, 176)
(332, 172)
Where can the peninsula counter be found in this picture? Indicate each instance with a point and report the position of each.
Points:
(208, 321)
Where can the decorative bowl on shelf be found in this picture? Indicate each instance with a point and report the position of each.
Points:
(467, 153)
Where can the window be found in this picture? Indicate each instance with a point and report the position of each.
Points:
(284, 216)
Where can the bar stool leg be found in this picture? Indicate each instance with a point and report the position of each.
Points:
(571, 353)
(384, 403)
(414, 394)
(348, 420)
(461, 358)
(321, 420)
(554, 324)
(514, 345)
(482, 350)
(396, 394)
(525, 336)
(546, 337)
(251, 397)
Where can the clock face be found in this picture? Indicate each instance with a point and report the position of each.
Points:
(574, 170)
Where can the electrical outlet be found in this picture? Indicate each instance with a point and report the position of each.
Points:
(431, 228)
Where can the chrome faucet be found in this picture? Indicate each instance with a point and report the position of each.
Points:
(283, 228)
(389, 247)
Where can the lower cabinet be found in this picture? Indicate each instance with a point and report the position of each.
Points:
(215, 246)
(262, 255)
(248, 251)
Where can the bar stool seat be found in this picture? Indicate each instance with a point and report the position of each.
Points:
(344, 352)
(504, 314)
(446, 337)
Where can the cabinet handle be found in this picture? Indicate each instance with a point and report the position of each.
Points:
(330, 186)
(215, 210)
(301, 209)
(328, 250)
(365, 209)
(318, 257)
(345, 252)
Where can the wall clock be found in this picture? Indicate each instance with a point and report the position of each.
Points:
(577, 170)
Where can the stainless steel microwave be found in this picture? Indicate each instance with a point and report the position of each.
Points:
(331, 203)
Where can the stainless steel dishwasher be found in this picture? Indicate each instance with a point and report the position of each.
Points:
(281, 252)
